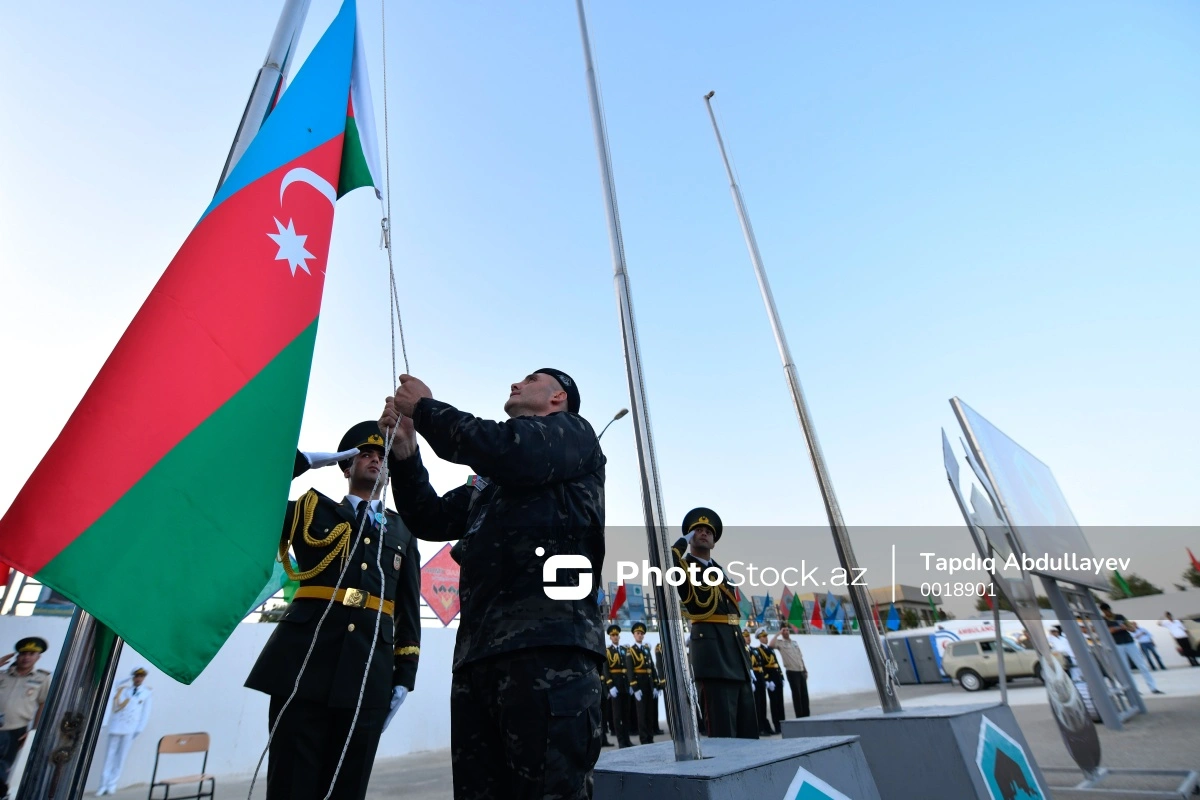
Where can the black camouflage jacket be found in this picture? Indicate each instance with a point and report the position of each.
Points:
(542, 495)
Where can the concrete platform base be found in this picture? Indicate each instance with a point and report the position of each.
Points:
(963, 752)
(737, 769)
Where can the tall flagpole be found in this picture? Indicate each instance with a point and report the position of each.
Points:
(841, 538)
(269, 81)
(680, 691)
(61, 754)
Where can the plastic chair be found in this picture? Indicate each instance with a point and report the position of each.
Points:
(177, 743)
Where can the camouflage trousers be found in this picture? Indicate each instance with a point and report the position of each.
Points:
(526, 726)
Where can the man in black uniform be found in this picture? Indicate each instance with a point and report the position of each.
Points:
(758, 686)
(772, 680)
(643, 679)
(720, 663)
(373, 617)
(525, 719)
(616, 685)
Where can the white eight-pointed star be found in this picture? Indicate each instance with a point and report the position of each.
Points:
(291, 247)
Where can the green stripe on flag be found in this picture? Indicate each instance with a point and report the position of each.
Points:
(175, 563)
(355, 171)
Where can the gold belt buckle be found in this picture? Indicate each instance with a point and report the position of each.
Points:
(355, 598)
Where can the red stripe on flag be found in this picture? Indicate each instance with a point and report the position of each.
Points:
(222, 310)
(618, 601)
(1195, 563)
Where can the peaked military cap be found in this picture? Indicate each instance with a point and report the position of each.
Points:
(611, 629)
(362, 435)
(702, 516)
(32, 644)
(139, 671)
(638, 626)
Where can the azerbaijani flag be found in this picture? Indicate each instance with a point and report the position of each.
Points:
(178, 459)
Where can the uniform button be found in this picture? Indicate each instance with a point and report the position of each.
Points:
(350, 627)
(366, 540)
(327, 530)
(364, 565)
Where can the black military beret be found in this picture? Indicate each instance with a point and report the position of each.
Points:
(702, 516)
(32, 644)
(613, 629)
(362, 435)
(567, 383)
(638, 626)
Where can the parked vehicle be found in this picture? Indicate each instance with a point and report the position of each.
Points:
(975, 666)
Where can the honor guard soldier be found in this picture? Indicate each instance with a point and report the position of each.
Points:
(643, 679)
(616, 685)
(773, 678)
(128, 714)
(720, 662)
(23, 692)
(661, 685)
(759, 686)
(380, 590)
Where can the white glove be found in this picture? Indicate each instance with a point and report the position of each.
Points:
(612, 692)
(687, 537)
(770, 686)
(398, 695)
(631, 690)
(657, 694)
(318, 460)
(638, 695)
(753, 680)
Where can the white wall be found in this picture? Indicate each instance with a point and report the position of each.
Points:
(236, 717)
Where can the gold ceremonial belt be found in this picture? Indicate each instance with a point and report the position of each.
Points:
(642, 671)
(719, 619)
(355, 598)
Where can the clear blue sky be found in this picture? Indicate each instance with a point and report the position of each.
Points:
(993, 202)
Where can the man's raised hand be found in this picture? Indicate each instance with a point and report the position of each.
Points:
(404, 443)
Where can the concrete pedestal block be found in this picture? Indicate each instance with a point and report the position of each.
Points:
(733, 769)
(960, 752)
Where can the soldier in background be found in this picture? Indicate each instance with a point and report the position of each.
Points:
(661, 686)
(128, 714)
(23, 691)
(381, 585)
(643, 680)
(773, 678)
(792, 661)
(720, 663)
(616, 685)
(758, 662)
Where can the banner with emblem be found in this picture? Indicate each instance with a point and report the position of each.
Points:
(439, 585)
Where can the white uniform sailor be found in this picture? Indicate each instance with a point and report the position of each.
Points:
(128, 714)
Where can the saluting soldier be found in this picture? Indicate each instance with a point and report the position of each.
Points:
(773, 678)
(129, 712)
(23, 692)
(643, 679)
(380, 591)
(720, 663)
(616, 684)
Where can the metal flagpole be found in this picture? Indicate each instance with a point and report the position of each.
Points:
(268, 82)
(61, 754)
(841, 539)
(679, 687)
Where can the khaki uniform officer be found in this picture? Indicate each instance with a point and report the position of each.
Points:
(23, 691)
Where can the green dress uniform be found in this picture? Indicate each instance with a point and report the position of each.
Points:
(720, 663)
(661, 685)
(378, 603)
(757, 664)
(643, 678)
(615, 675)
(773, 674)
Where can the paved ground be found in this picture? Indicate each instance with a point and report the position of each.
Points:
(1166, 738)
